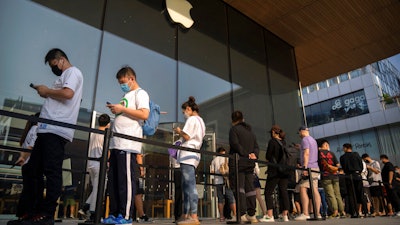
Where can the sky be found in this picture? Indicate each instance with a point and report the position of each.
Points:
(395, 60)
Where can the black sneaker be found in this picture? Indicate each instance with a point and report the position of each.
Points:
(143, 218)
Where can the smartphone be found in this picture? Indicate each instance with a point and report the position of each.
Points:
(32, 86)
(108, 103)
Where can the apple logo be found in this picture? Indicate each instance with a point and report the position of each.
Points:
(179, 11)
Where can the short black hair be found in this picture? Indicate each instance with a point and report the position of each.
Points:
(383, 156)
(348, 146)
(365, 155)
(54, 53)
(103, 120)
(126, 71)
(322, 141)
(237, 116)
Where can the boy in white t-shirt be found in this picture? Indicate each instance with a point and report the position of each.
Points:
(130, 113)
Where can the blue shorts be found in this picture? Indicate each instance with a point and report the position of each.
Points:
(224, 192)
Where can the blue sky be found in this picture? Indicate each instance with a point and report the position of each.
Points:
(395, 60)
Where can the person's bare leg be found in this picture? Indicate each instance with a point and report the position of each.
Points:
(304, 200)
(139, 204)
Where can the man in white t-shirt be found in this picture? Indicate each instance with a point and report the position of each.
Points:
(62, 103)
(130, 113)
(93, 166)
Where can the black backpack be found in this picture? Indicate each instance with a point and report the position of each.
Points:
(288, 161)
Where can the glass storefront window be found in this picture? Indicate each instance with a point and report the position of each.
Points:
(343, 77)
(346, 106)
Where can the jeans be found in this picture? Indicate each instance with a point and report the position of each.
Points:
(190, 195)
(332, 192)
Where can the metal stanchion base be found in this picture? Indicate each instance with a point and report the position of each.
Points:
(316, 219)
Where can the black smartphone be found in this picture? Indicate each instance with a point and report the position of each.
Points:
(108, 103)
(32, 86)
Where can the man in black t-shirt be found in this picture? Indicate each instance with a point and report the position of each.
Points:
(388, 177)
(352, 166)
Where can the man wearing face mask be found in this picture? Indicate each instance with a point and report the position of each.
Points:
(130, 113)
(374, 177)
(62, 103)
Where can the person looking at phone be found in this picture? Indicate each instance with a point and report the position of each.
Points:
(61, 103)
(130, 113)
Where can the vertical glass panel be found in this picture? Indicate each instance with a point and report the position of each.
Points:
(203, 74)
(29, 30)
(344, 77)
(247, 53)
(333, 81)
(283, 85)
(322, 84)
(335, 146)
(370, 143)
(144, 22)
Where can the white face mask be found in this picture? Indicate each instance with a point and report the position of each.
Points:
(186, 115)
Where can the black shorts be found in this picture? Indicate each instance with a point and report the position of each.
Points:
(376, 191)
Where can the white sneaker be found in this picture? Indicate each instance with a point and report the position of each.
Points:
(285, 218)
(252, 219)
(244, 218)
(266, 219)
(302, 217)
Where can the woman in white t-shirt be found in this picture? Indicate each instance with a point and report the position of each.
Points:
(192, 137)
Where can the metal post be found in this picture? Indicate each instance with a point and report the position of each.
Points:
(102, 180)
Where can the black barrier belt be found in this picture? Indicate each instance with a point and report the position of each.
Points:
(146, 141)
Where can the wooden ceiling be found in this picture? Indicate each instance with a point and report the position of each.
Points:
(330, 37)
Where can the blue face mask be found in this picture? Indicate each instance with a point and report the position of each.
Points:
(125, 88)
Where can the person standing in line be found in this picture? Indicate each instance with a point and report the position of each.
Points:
(140, 170)
(375, 188)
(365, 209)
(257, 188)
(130, 113)
(62, 103)
(351, 163)
(191, 136)
(396, 181)
(388, 179)
(223, 191)
(93, 166)
(329, 166)
(243, 142)
(27, 141)
(275, 151)
(308, 159)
